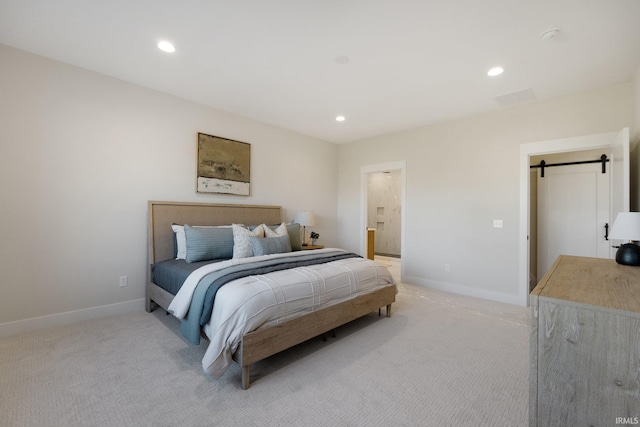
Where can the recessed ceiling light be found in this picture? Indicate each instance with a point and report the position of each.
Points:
(340, 119)
(166, 46)
(495, 71)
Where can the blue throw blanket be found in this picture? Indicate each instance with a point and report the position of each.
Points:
(205, 292)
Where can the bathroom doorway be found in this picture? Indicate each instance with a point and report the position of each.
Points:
(384, 212)
(383, 200)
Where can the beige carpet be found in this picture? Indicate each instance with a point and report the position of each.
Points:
(441, 360)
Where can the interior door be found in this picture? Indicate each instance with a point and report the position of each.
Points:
(573, 208)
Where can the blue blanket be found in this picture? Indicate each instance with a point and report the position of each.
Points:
(205, 292)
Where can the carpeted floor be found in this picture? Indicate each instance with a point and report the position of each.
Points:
(440, 360)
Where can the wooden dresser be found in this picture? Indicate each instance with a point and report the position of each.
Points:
(585, 345)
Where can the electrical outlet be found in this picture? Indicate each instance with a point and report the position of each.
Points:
(497, 223)
(447, 267)
(124, 280)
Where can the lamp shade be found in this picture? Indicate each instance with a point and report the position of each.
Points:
(305, 218)
(626, 226)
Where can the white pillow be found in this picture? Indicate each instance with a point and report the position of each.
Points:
(281, 230)
(242, 247)
(181, 241)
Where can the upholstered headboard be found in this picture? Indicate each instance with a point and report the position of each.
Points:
(163, 214)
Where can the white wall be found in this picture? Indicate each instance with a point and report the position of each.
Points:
(463, 174)
(80, 156)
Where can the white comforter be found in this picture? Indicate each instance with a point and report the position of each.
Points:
(255, 302)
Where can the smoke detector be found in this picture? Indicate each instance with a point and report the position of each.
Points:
(549, 34)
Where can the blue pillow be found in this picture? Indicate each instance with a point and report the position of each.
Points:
(205, 243)
(270, 245)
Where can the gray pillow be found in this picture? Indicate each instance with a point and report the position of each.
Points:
(208, 243)
(270, 245)
(294, 234)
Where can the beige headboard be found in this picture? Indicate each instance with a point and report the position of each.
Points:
(163, 214)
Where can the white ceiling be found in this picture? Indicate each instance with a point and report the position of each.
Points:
(410, 63)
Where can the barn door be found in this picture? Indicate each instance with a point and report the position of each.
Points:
(574, 205)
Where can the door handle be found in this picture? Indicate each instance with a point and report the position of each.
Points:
(606, 231)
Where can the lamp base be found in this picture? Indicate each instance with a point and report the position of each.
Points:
(628, 254)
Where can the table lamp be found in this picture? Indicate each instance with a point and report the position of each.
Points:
(305, 218)
(627, 227)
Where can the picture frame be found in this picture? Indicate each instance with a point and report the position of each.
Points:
(223, 166)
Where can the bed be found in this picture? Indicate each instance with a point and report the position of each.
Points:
(260, 339)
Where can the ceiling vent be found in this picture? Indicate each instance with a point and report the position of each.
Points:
(549, 34)
(513, 98)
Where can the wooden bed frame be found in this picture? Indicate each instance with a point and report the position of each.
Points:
(265, 342)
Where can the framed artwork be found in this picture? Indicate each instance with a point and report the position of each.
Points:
(224, 166)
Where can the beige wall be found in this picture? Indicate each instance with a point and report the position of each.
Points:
(463, 174)
(80, 156)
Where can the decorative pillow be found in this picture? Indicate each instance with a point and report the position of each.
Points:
(270, 245)
(293, 230)
(205, 243)
(242, 247)
(179, 239)
(275, 231)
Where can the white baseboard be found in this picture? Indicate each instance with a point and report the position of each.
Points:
(465, 290)
(70, 317)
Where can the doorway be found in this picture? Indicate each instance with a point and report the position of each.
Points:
(384, 212)
(382, 205)
(617, 142)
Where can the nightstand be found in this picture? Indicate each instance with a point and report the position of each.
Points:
(312, 247)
